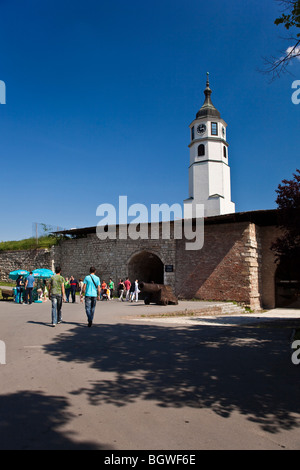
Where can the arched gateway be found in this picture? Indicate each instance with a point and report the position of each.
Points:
(147, 267)
(287, 284)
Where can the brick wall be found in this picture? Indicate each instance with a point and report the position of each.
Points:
(225, 269)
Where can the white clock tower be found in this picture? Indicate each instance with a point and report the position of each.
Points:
(209, 172)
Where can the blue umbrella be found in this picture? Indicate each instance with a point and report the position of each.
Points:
(19, 272)
(43, 273)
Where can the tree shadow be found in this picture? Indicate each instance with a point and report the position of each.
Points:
(32, 421)
(248, 370)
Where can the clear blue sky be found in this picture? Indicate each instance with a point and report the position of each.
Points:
(100, 95)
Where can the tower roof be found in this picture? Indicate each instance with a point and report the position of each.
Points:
(207, 109)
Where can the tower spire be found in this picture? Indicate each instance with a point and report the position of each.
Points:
(207, 109)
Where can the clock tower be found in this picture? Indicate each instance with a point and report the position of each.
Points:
(209, 171)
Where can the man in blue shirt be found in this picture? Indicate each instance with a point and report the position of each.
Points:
(91, 289)
(29, 284)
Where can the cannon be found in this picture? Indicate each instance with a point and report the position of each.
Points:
(7, 293)
(158, 293)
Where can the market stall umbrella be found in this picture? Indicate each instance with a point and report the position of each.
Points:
(19, 272)
(43, 273)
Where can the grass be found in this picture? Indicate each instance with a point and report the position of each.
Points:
(29, 243)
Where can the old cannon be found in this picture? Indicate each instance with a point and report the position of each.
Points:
(7, 293)
(158, 293)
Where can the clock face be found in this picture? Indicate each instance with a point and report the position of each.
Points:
(201, 128)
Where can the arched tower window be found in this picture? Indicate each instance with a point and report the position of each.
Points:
(201, 150)
(225, 152)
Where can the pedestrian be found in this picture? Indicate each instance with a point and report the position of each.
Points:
(19, 287)
(80, 284)
(131, 290)
(45, 291)
(121, 289)
(91, 289)
(73, 284)
(57, 295)
(67, 289)
(29, 284)
(103, 292)
(136, 290)
(127, 284)
(111, 287)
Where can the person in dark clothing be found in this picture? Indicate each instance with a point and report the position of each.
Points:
(29, 285)
(73, 285)
(19, 286)
(131, 292)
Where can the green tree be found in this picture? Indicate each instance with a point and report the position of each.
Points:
(287, 247)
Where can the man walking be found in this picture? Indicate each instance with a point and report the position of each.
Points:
(127, 284)
(111, 286)
(57, 295)
(91, 289)
(29, 284)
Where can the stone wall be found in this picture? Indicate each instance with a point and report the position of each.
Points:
(235, 263)
(226, 268)
(111, 258)
(24, 259)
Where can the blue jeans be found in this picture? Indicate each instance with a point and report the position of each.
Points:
(19, 295)
(90, 305)
(56, 308)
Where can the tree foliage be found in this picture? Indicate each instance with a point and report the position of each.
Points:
(290, 19)
(288, 201)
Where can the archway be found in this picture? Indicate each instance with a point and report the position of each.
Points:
(146, 267)
(287, 284)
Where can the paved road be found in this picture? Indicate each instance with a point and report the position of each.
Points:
(133, 383)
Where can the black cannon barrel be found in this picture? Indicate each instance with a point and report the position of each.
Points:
(150, 287)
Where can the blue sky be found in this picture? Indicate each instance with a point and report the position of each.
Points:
(100, 94)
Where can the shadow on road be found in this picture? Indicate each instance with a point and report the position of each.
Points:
(248, 370)
(32, 420)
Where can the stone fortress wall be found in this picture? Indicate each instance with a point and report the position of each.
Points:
(235, 263)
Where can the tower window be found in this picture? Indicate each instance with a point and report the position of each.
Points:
(201, 150)
(214, 128)
(224, 152)
(193, 133)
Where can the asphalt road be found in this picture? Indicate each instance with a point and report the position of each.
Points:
(132, 384)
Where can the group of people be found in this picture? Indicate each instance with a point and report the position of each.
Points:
(129, 289)
(107, 290)
(24, 288)
(31, 289)
(91, 290)
(59, 290)
(71, 287)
